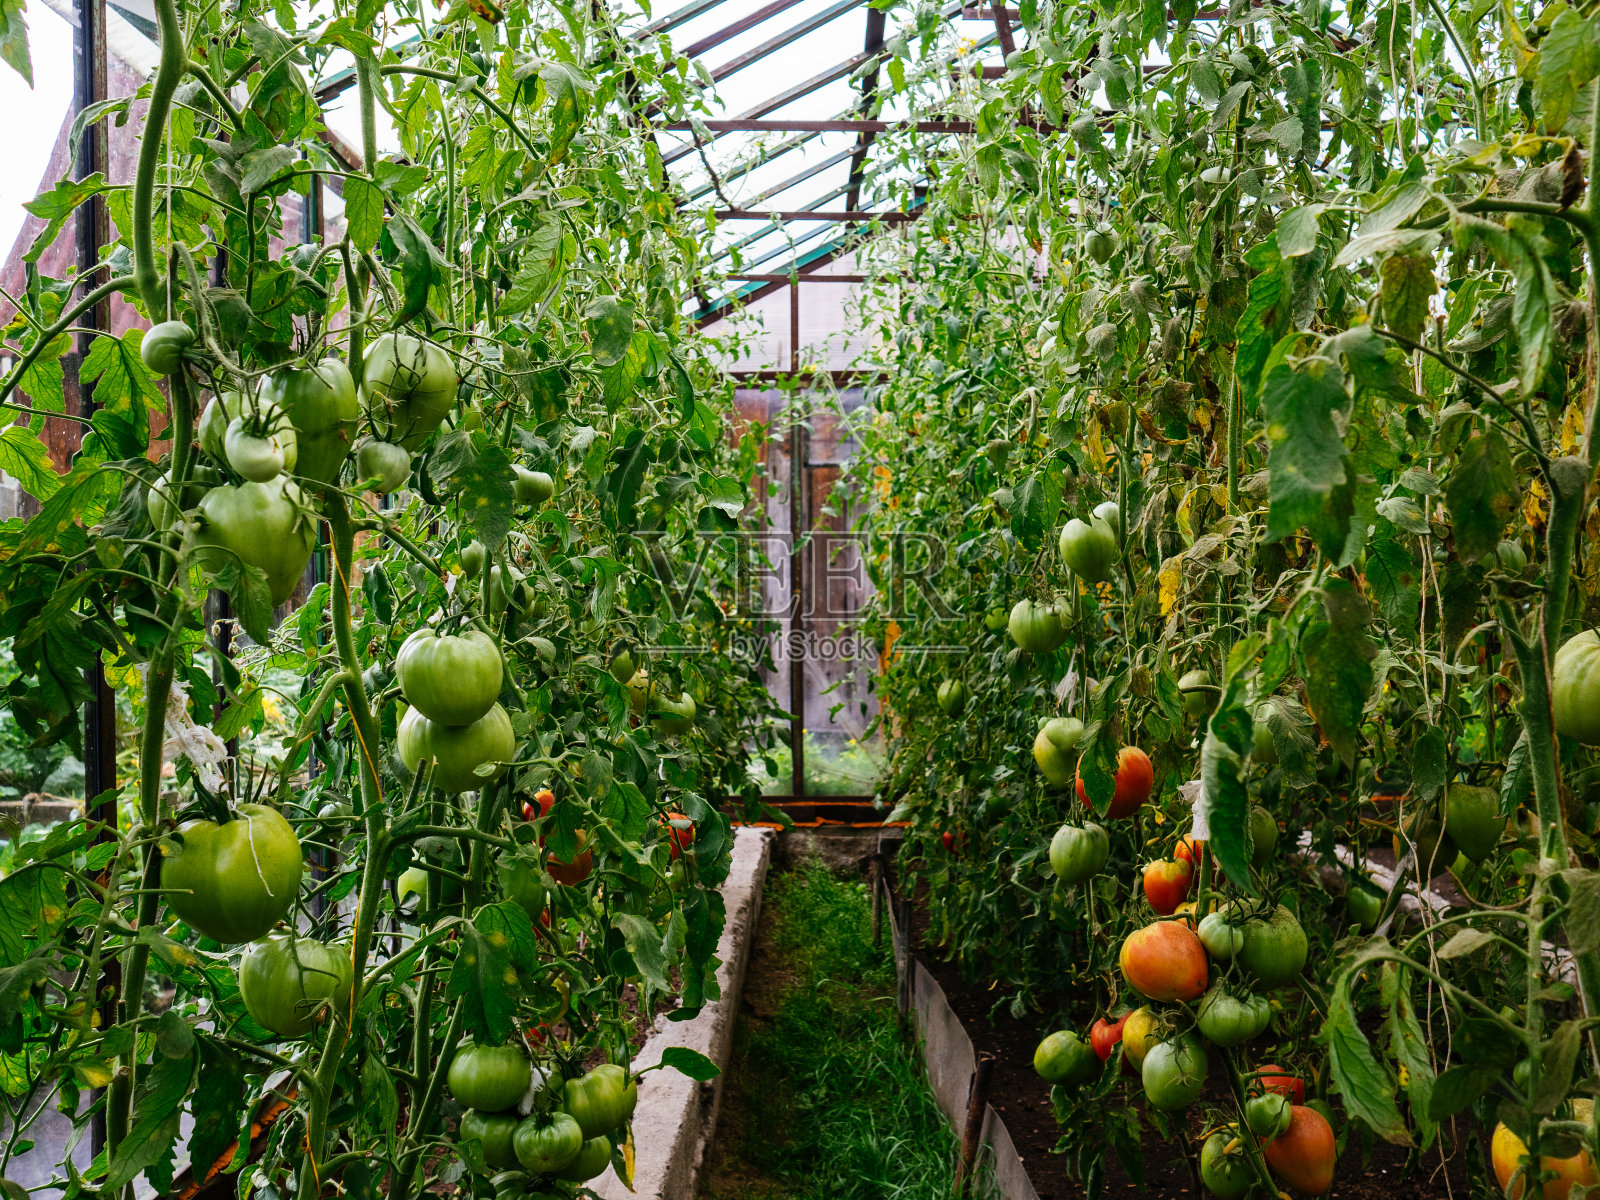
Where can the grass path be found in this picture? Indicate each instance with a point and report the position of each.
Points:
(824, 1100)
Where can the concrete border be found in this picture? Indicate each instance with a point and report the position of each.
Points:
(951, 1062)
(677, 1117)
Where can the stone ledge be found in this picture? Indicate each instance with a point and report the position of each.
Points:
(676, 1116)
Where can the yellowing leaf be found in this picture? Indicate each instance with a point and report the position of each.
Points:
(1171, 579)
(1097, 450)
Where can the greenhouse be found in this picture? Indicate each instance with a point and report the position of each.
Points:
(799, 600)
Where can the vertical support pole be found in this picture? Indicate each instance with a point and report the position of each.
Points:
(100, 713)
(797, 590)
(219, 607)
(904, 956)
(877, 874)
(977, 1101)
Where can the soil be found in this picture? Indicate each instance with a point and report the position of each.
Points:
(1023, 1100)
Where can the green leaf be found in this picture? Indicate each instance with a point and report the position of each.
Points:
(1457, 1089)
(1569, 57)
(629, 462)
(174, 1038)
(1305, 462)
(1365, 1086)
(643, 941)
(261, 167)
(619, 380)
(1408, 288)
(1266, 315)
(495, 966)
(1481, 494)
(1582, 921)
(363, 212)
(723, 492)
(610, 329)
(1392, 577)
(250, 595)
(691, 1062)
(475, 470)
(125, 395)
(1410, 1049)
(155, 1122)
(1533, 313)
(14, 39)
(1428, 763)
(24, 458)
(1297, 230)
(1556, 1061)
(1035, 506)
(542, 264)
(1223, 757)
(421, 264)
(1337, 666)
(219, 1106)
(60, 202)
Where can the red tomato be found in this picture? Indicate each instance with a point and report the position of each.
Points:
(1165, 961)
(1106, 1035)
(1166, 884)
(574, 872)
(545, 798)
(1302, 1156)
(1270, 1077)
(682, 839)
(1134, 778)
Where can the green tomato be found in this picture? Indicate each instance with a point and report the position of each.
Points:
(1197, 695)
(1052, 749)
(1575, 688)
(285, 982)
(257, 417)
(523, 883)
(452, 679)
(1225, 1165)
(1263, 836)
(545, 1144)
(407, 387)
(1173, 1073)
(1267, 1115)
(592, 1160)
(952, 697)
(1228, 1020)
(531, 487)
(1513, 558)
(1089, 548)
(321, 405)
(1100, 245)
(600, 1100)
(163, 347)
(1066, 1059)
(673, 717)
(233, 882)
(459, 749)
(494, 1131)
(262, 525)
(1472, 819)
(384, 464)
(160, 501)
(1274, 949)
(1079, 852)
(473, 555)
(258, 458)
(1364, 904)
(1108, 512)
(1221, 939)
(489, 1078)
(1037, 628)
(995, 620)
(623, 666)
(1263, 748)
(520, 599)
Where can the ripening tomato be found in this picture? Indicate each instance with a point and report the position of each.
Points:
(574, 872)
(1139, 1033)
(1508, 1151)
(1105, 1035)
(1134, 779)
(1302, 1156)
(1166, 884)
(1225, 1166)
(1164, 961)
(1190, 851)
